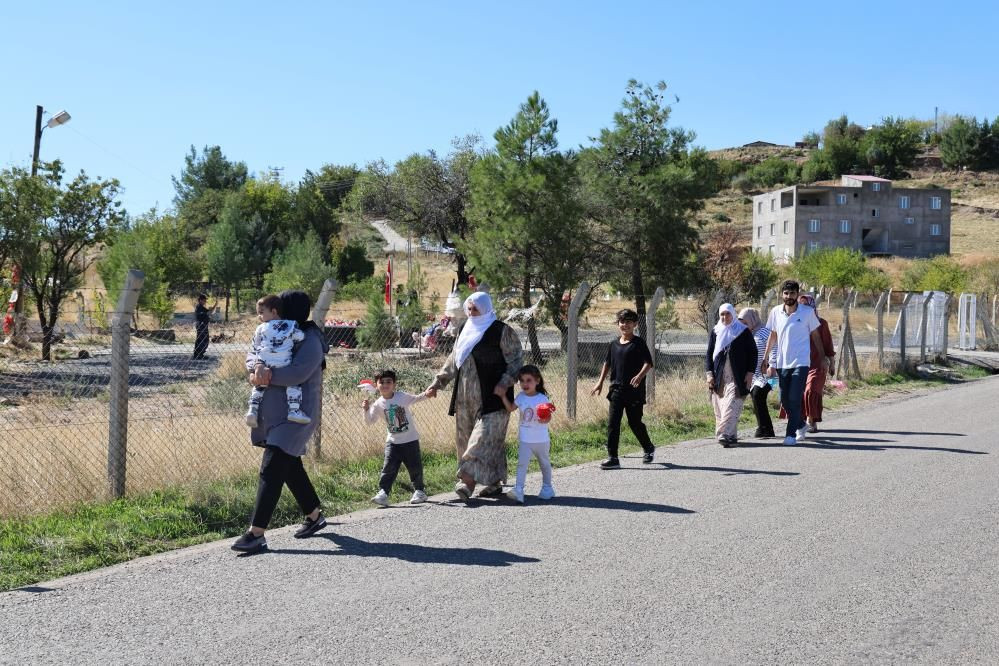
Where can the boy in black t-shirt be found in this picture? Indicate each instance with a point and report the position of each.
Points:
(628, 361)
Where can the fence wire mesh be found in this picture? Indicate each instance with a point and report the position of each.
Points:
(185, 416)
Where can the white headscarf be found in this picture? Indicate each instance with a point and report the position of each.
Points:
(473, 329)
(724, 335)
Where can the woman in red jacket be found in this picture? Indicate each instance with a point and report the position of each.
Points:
(820, 363)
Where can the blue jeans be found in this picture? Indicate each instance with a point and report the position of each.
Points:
(792, 394)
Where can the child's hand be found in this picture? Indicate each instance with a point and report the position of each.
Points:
(500, 390)
(365, 404)
(430, 393)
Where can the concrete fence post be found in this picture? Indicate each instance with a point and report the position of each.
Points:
(650, 322)
(942, 355)
(924, 313)
(118, 384)
(319, 317)
(879, 311)
(903, 317)
(572, 351)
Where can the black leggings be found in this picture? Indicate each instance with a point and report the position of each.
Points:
(764, 425)
(276, 469)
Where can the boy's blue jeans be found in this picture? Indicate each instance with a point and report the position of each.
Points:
(792, 394)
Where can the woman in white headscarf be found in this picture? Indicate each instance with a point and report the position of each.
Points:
(484, 365)
(729, 367)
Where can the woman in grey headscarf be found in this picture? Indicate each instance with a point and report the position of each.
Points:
(729, 366)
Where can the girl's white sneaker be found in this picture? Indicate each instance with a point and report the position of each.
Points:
(381, 499)
(419, 497)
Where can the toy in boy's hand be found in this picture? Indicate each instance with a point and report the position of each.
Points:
(545, 411)
(367, 385)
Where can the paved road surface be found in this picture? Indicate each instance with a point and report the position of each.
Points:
(876, 542)
(393, 241)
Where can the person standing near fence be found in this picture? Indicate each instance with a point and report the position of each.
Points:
(729, 365)
(483, 365)
(792, 327)
(628, 361)
(761, 387)
(201, 327)
(285, 442)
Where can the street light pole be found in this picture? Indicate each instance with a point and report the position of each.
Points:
(17, 334)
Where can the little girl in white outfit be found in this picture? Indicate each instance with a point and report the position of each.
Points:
(533, 432)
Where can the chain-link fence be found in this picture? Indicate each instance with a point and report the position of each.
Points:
(124, 407)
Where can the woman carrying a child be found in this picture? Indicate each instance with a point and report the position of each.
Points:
(284, 441)
(484, 365)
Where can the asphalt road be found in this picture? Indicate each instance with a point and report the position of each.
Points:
(877, 541)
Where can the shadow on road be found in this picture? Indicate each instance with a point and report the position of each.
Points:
(725, 471)
(613, 504)
(823, 443)
(481, 557)
(895, 432)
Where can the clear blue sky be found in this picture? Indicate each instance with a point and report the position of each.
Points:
(301, 84)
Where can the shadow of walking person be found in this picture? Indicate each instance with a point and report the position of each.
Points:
(408, 552)
(613, 504)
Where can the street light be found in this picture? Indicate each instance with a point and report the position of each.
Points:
(14, 323)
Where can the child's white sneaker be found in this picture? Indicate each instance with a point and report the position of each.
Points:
(547, 493)
(298, 416)
(515, 495)
(419, 497)
(251, 419)
(381, 499)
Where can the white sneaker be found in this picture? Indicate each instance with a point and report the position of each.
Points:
(251, 419)
(790, 441)
(298, 416)
(802, 434)
(419, 497)
(381, 499)
(515, 495)
(547, 493)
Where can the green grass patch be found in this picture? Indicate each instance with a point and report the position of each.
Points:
(90, 536)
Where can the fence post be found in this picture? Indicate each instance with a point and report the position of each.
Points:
(572, 353)
(650, 323)
(319, 317)
(922, 327)
(118, 404)
(903, 316)
(879, 311)
(946, 325)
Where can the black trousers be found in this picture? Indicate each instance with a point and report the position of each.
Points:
(407, 454)
(200, 342)
(276, 469)
(764, 425)
(619, 408)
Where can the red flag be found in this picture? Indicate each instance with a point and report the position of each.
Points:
(388, 283)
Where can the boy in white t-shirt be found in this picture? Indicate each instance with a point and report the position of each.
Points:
(793, 329)
(402, 443)
(535, 413)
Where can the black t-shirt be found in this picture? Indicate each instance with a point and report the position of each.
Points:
(625, 361)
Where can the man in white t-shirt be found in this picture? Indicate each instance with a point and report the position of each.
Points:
(793, 328)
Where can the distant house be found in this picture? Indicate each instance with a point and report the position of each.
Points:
(762, 144)
(860, 212)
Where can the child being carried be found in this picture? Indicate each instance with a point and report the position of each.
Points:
(273, 342)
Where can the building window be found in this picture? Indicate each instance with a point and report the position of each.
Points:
(875, 212)
(773, 228)
(759, 232)
(787, 253)
(772, 205)
(771, 249)
(844, 226)
(814, 226)
(934, 229)
(785, 226)
(840, 199)
(936, 203)
(903, 202)
(875, 187)
(813, 245)
(910, 220)
(759, 207)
